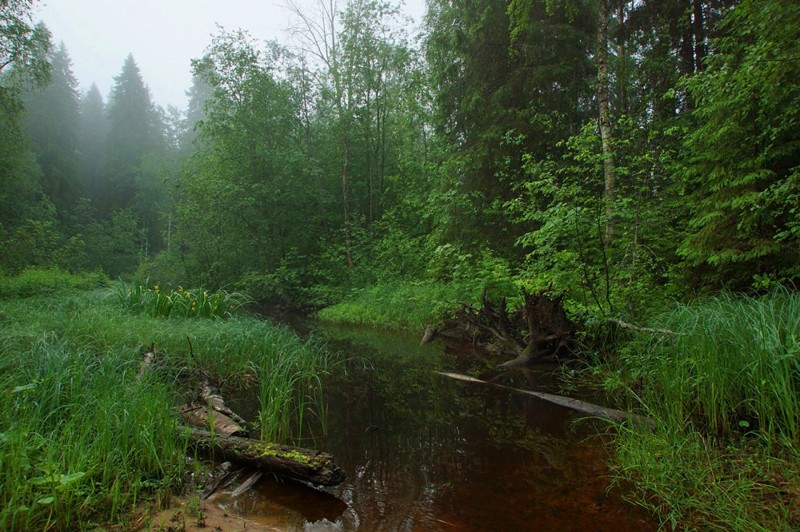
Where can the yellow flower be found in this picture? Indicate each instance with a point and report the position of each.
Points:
(155, 287)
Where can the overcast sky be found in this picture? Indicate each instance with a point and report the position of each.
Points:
(162, 35)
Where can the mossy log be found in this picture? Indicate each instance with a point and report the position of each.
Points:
(307, 465)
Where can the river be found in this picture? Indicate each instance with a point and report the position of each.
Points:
(423, 452)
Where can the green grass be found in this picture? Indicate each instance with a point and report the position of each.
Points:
(409, 305)
(82, 439)
(725, 393)
(33, 281)
(733, 365)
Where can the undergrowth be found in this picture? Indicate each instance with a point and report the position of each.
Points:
(411, 305)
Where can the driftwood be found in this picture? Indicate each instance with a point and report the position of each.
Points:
(625, 325)
(308, 465)
(215, 401)
(205, 417)
(224, 475)
(213, 414)
(247, 484)
(149, 355)
(611, 414)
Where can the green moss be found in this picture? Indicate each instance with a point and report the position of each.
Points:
(269, 450)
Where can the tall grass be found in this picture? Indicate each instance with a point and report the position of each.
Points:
(158, 302)
(33, 281)
(80, 436)
(725, 392)
(733, 364)
(82, 439)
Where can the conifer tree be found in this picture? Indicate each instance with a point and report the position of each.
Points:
(94, 128)
(52, 125)
(134, 132)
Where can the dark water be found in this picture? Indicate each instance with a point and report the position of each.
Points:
(423, 452)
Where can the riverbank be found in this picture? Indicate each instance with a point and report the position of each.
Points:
(85, 437)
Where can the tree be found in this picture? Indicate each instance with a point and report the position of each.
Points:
(23, 53)
(92, 147)
(741, 158)
(134, 131)
(509, 80)
(23, 66)
(52, 124)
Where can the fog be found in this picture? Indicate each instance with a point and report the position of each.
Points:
(163, 35)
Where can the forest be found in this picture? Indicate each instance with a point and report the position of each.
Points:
(637, 159)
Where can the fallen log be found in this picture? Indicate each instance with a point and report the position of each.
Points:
(611, 414)
(307, 465)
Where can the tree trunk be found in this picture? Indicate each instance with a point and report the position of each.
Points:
(346, 202)
(604, 119)
(307, 465)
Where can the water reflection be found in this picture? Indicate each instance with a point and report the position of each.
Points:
(423, 452)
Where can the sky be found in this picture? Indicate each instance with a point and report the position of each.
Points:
(163, 35)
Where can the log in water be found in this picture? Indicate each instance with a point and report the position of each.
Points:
(308, 465)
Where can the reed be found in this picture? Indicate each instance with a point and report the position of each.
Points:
(724, 392)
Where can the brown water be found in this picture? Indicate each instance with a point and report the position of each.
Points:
(423, 452)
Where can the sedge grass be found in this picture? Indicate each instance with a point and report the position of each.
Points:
(82, 439)
(733, 364)
(724, 390)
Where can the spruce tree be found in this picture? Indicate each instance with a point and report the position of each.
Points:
(94, 128)
(134, 132)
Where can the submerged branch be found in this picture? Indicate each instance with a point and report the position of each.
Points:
(611, 414)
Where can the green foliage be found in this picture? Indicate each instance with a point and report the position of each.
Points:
(694, 484)
(563, 210)
(81, 438)
(157, 302)
(411, 305)
(36, 281)
(741, 160)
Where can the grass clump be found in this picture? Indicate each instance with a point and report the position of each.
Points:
(83, 439)
(725, 392)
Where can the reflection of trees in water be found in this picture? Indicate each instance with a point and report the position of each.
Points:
(412, 441)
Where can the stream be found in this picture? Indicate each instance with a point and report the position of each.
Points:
(423, 452)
